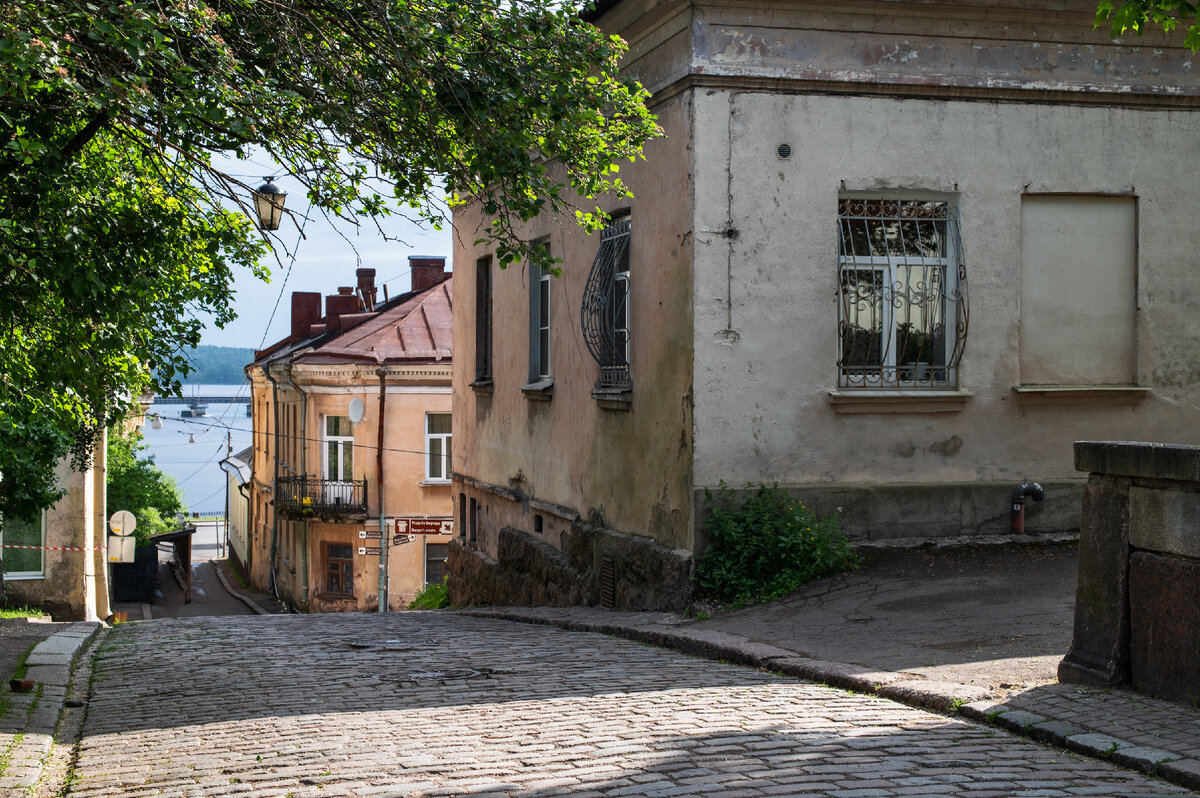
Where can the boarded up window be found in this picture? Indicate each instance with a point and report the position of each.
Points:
(1078, 290)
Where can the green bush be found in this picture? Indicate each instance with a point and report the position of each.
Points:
(136, 484)
(763, 546)
(433, 597)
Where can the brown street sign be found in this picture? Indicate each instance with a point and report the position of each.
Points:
(370, 534)
(398, 540)
(370, 550)
(424, 526)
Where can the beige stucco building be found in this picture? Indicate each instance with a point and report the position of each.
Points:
(352, 400)
(60, 565)
(894, 256)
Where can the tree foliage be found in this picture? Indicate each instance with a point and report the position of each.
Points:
(136, 484)
(118, 230)
(1122, 16)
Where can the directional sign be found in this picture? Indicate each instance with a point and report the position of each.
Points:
(399, 540)
(122, 522)
(370, 550)
(424, 526)
(372, 534)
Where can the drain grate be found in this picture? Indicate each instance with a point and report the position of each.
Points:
(395, 644)
(435, 677)
(608, 583)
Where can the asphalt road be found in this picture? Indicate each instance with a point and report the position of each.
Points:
(425, 704)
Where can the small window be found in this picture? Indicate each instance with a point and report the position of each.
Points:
(606, 308)
(435, 562)
(538, 524)
(539, 321)
(902, 310)
(483, 319)
(474, 520)
(462, 515)
(437, 447)
(24, 563)
(339, 569)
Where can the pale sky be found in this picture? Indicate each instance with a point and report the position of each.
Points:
(324, 260)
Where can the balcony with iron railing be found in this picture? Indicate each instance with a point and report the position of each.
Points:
(330, 499)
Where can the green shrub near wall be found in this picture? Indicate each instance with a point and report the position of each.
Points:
(764, 544)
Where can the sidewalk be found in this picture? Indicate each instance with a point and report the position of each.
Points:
(28, 719)
(261, 603)
(976, 631)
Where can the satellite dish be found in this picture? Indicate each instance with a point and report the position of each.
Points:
(356, 410)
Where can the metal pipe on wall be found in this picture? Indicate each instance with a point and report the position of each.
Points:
(383, 539)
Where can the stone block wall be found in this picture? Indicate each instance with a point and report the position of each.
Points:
(1137, 618)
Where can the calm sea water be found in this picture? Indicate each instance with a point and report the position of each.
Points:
(196, 466)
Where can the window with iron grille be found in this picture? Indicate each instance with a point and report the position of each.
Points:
(339, 569)
(606, 306)
(902, 291)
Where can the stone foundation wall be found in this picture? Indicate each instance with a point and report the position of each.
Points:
(890, 512)
(595, 566)
(1136, 617)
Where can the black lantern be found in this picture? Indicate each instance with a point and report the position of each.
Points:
(268, 202)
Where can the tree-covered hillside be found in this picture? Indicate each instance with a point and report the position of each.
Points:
(218, 365)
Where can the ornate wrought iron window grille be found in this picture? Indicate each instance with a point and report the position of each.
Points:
(902, 294)
(605, 313)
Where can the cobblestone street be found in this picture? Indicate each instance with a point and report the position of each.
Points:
(441, 704)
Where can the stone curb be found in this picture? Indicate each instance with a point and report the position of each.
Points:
(950, 697)
(50, 664)
(237, 594)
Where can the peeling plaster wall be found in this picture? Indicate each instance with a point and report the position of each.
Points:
(766, 314)
(630, 467)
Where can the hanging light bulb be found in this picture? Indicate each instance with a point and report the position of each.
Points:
(155, 421)
(192, 438)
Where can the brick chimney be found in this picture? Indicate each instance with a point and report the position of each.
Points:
(366, 287)
(426, 271)
(336, 305)
(306, 311)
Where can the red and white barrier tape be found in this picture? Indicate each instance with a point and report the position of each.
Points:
(52, 548)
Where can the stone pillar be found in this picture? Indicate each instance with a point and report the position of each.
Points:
(1136, 616)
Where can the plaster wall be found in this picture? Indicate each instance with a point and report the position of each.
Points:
(306, 396)
(563, 451)
(72, 588)
(766, 315)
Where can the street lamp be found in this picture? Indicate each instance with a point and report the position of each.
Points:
(268, 203)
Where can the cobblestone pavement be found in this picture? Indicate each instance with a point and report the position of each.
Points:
(439, 704)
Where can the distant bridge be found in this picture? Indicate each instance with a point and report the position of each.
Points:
(192, 401)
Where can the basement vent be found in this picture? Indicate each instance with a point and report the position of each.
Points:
(784, 151)
(608, 583)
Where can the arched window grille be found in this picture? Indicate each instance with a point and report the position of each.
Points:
(605, 315)
(902, 294)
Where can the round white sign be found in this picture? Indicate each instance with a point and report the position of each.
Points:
(122, 522)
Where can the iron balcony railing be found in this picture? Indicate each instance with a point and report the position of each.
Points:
(306, 496)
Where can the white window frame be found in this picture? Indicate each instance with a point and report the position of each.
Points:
(543, 326)
(337, 487)
(890, 373)
(444, 439)
(22, 575)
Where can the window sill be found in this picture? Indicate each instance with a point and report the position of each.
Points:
(482, 386)
(23, 577)
(540, 391)
(899, 401)
(1070, 394)
(434, 483)
(614, 397)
